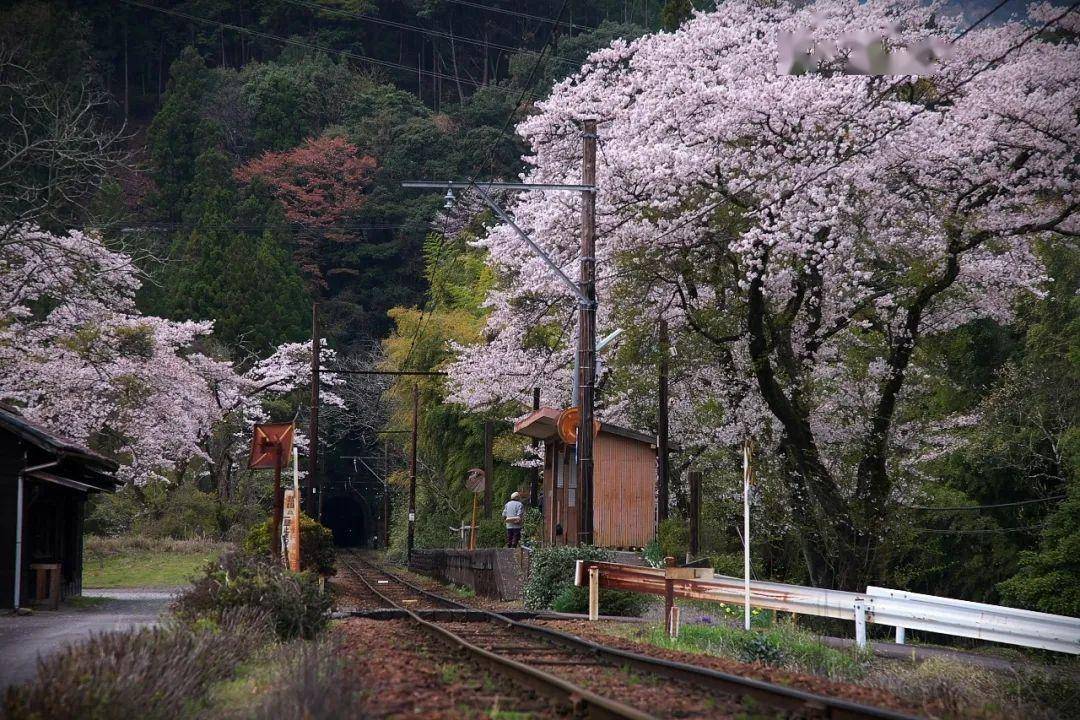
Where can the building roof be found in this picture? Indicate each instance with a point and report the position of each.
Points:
(541, 424)
(77, 465)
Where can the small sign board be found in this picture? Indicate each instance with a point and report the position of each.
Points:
(475, 480)
(271, 444)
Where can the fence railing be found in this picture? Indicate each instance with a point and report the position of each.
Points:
(880, 606)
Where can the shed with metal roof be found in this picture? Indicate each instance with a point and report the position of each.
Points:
(45, 480)
(624, 484)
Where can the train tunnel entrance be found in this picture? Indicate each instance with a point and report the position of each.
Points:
(348, 518)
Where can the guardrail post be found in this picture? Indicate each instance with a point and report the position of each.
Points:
(899, 634)
(673, 622)
(860, 623)
(594, 593)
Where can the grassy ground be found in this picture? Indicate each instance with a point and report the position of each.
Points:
(136, 561)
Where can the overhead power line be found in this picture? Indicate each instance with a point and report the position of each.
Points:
(981, 531)
(425, 31)
(525, 90)
(986, 507)
(528, 16)
(311, 46)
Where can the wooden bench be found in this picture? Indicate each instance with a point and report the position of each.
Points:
(47, 578)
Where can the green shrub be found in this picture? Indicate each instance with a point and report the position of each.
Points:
(492, 533)
(616, 603)
(652, 554)
(317, 551)
(673, 535)
(148, 673)
(295, 603)
(552, 572)
(761, 648)
(533, 527)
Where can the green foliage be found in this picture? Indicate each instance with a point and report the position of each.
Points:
(295, 603)
(317, 552)
(781, 645)
(552, 571)
(613, 603)
(673, 534)
(1049, 579)
(179, 133)
(492, 533)
(674, 13)
(532, 530)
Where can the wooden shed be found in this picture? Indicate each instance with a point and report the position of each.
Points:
(44, 482)
(624, 484)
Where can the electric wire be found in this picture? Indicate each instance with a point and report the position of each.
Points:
(982, 531)
(359, 57)
(527, 16)
(525, 90)
(425, 31)
(1018, 503)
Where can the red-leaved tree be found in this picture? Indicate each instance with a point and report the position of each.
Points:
(320, 185)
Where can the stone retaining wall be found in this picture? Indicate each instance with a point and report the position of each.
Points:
(497, 573)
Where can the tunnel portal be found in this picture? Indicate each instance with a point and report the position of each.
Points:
(348, 518)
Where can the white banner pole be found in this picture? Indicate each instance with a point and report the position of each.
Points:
(746, 533)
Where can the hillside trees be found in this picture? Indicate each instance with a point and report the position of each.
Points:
(232, 266)
(811, 231)
(56, 149)
(320, 186)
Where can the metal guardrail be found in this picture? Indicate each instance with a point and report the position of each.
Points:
(881, 606)
(962, 618)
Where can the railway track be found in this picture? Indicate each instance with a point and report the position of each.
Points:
(585, 678)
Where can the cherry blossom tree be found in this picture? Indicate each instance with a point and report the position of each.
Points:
(807, 231)
(78, 356)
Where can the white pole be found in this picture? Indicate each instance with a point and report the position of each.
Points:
(18, 542)
(295, 474)
(746, 533)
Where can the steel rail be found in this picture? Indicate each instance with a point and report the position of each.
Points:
(578, 698)
(778, 696)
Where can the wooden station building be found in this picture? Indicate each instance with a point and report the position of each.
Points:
(44, 482)
(624, 484)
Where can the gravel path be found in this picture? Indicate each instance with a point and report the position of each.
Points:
(25, 638)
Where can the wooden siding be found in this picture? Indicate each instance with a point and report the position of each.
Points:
(624, 492)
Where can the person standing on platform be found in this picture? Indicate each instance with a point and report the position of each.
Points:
(514, 514)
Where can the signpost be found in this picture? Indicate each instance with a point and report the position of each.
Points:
(476, 482)
(271, 443)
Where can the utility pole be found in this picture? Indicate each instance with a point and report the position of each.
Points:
(587, 328)
(663, 468)
(313, 442)
(386, 496)
(534, 484)
(695, 513)
(412, 470)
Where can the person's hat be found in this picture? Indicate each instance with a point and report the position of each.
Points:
(514, 495)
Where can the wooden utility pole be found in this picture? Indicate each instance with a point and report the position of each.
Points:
(534, 478)
(587, 330)
(663, 469)
(412, 469)
(489, 466)
(386, 496)
(695, 513)
(313, 442)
